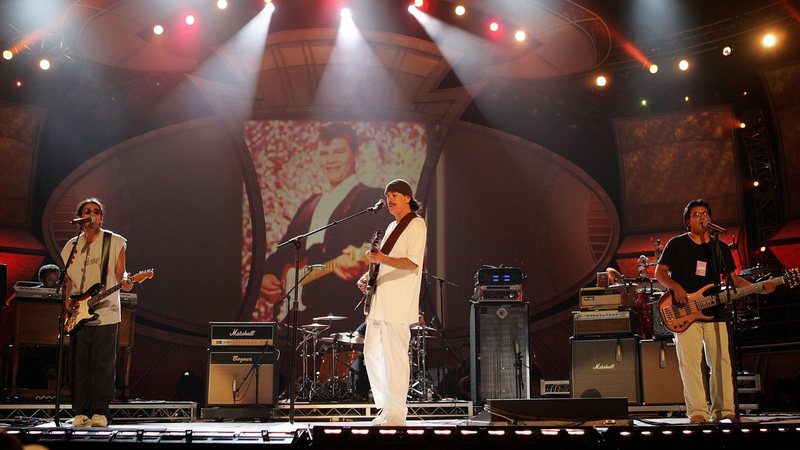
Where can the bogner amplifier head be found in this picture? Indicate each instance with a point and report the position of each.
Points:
(606, 298)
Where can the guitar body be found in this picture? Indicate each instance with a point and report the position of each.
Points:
(676, 317)
(78, 309)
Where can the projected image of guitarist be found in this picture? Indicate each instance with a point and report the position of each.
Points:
(97, 257)
(335, 256)
(692, 264)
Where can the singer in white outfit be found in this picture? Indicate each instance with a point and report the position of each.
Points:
(395, 306)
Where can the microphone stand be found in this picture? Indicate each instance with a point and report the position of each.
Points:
(296, 242)
(730, 310)
(442, 333)
(256, 368)
(62, 292)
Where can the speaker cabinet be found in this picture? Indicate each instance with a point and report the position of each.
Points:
(226, 378)
(605, 368)
(500, 365)
(661, 377)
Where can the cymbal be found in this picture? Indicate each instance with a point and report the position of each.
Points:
(757, 270)
(327, 340)
(418, 327)
(330, 317)
(348, 338)
(315, 326)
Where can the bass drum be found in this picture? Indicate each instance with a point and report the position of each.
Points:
(342, 369)
(644, 311)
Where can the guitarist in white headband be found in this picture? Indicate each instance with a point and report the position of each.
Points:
(686, 267)
(394, 305)
(93, 344)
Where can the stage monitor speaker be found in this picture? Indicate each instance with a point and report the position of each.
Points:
(500, 364)
(661, 377)
(605, 368)
(559, 411)
(226, 378)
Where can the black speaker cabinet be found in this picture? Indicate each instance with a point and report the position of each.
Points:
(500, 365)
(226, 378)
(605, 368)
(661, 378)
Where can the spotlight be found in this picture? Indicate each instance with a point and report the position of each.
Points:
(756, 183)
(44, 64)
(600, 81)
(7, 55)
(520, 35)
(683, 64)
(189, 19)
(726, 51)
(643, 102)
(460, 10)
(742, 125)
(270, 6)
(763, 249)
(18, 83)
(222, 4)
(494, 26)
(653, 68)
(158, 30)
(346, 13)
(686, 99)
(769, 40)
(419, 3)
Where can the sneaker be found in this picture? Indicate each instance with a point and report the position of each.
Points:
(379, 419)
(98, 420)
(81, 420)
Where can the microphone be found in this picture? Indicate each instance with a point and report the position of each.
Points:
(234, 388)
(618, 352)
(82, 220)
(378, 205)
(710, 226)
(516, 345)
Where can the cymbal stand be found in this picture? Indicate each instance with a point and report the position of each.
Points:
(305, 384)
(421, 386)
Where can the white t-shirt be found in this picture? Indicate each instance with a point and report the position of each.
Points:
(397, 295)
(85, 273)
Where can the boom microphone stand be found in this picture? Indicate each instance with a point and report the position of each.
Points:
(61, 316)
(296, 242)
(442, 333)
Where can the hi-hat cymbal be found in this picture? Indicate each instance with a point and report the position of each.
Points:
(327, 340)
(418, 327)
(315, 326)
(330, 317)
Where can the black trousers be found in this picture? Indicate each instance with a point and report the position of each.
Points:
(94, 362)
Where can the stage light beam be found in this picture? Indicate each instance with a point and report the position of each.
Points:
(769, 40)
(653, 68)
(8, 55)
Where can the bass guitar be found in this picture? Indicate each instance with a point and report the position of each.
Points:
(677, 318)
(80, 308)
(373, 273)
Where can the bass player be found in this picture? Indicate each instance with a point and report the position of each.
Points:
(686, 267)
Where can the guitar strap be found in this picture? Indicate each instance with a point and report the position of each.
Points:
(398, 230)
(106, 251)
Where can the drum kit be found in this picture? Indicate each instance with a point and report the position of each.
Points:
(329, 369)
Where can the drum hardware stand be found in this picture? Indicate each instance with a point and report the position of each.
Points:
(446, 349)
(421, 386)
(305, 384)
(293, 310)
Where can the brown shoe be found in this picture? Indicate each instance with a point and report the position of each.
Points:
(697, 419)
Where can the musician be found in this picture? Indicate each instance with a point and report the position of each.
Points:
(337, 151)
(395, 305)
(94, 344)
(48, 275)
(685, 267)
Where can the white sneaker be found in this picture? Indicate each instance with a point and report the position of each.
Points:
(379, 419)
(81, 420)
(98, 420)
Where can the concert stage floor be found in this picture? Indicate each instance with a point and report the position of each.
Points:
(640, 429)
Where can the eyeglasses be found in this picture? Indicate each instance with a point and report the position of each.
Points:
(700, 214)
(89, 211)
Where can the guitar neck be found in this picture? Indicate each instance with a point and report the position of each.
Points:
(97, 298)
(708, 301)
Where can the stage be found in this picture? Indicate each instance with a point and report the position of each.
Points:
(541, 423)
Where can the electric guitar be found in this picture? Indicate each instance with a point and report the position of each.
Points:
(80, 307)
(373, 273)
(677, 318)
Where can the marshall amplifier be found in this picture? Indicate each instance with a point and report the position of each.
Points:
(605, 368)
(242, 334)
(499, 292)
(606, 298)
(602, 322)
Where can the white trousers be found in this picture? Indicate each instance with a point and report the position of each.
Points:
(709, 339)
(386, 358)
